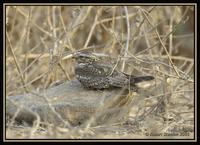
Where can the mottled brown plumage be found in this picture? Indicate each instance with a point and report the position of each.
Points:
(92, 72)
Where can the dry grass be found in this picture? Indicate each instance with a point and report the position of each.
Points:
(158, 40)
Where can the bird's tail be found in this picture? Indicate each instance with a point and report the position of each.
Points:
(138, 79)
(141, 79)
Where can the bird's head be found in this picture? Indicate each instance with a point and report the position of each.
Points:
(85, 57)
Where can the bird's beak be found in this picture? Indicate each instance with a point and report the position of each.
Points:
(68, 56)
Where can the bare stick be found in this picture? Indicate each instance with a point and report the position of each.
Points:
(156, 31)
(128, 36)
(92, 29)
(16, 63)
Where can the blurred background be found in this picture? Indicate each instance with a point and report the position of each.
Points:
(35, 34)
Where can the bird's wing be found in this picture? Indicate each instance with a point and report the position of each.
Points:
(92, 70)
(118, 81)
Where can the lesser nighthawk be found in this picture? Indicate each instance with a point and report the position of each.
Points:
(95, 74)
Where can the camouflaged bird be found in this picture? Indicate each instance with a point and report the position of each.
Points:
(94, 73)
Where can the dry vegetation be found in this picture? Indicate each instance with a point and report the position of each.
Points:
(158, 39)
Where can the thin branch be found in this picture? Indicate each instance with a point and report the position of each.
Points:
(16, 63)
(128, 36)
(92, 28)
(161, 42)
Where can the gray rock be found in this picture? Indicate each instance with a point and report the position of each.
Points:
(67, 103)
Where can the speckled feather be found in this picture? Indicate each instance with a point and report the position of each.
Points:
(92, 73)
